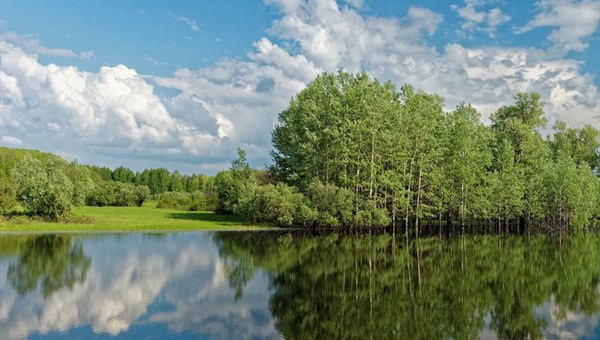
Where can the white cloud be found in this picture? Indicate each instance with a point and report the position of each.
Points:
(115, 112)
(355, 3)
(486, 21)
(564, 324)
(576, 20)
(154, 61)
(115, 107)
(331, 37)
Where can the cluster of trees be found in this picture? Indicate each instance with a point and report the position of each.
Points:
(194, 192)
(159, 180)
(42, 183)
(117, 194)
(46, 185)
(353, 152)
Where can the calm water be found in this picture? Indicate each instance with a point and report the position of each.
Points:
(257, 285)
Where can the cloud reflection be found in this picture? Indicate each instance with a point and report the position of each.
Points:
(128, 275)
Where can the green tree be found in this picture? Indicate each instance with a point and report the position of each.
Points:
(176, 182)
(421, 121)
(518, 126)
(582, 145)
(235, 186)
(466, 163)
(82, 183)
(123, 174)
(43, 190)
(142, 192)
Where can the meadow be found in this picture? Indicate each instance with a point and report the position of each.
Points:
(145, 218)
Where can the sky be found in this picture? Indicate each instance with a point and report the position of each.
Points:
(181, 84)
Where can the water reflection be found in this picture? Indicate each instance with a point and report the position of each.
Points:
(346, 287)
(242, 285)
(172, 286)
(52, 261)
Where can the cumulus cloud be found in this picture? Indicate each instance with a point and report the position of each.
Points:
(574, 22)
(116, 112)
(112, 108)
(486, 21)
(332, 37)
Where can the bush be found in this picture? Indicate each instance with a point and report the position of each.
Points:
(334, 206)
(175, 200)
(203, 201)
(118, 194)
(279, 204)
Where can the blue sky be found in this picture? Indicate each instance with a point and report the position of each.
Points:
(181, 84)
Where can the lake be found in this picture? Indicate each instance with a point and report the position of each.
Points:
(296, 285)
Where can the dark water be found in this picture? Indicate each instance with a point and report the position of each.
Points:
(263, 285)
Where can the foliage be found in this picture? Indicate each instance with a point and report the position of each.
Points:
(43, 189)
(118, 194)
(235, 187)
(197, 201)
(396, 156)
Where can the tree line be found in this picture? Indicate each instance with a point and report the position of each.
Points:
(44, 184)
(353, 152)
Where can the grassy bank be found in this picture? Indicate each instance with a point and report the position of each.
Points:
(145, 218)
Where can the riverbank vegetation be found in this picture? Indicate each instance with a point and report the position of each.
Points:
(352, 152)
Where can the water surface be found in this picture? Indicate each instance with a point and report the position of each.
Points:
(277, 284)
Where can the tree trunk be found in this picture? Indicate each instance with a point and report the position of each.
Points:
(418, 204)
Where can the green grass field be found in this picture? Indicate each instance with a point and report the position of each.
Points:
(145, 218)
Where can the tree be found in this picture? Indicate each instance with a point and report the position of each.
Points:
(506, 183)
(43, 190)
(466, 162)
(582, 145)
(141, 192)
(81, 181)
(422, 126)
(123, 174)
(176, 182)
(516, 126)
(236, 185)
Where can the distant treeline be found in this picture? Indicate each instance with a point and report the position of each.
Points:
(44, 184)
(157, 180)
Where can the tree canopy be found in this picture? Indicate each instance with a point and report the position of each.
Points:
(402, 158)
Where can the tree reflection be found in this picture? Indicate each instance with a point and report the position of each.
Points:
(372, 287)
(50, 261)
